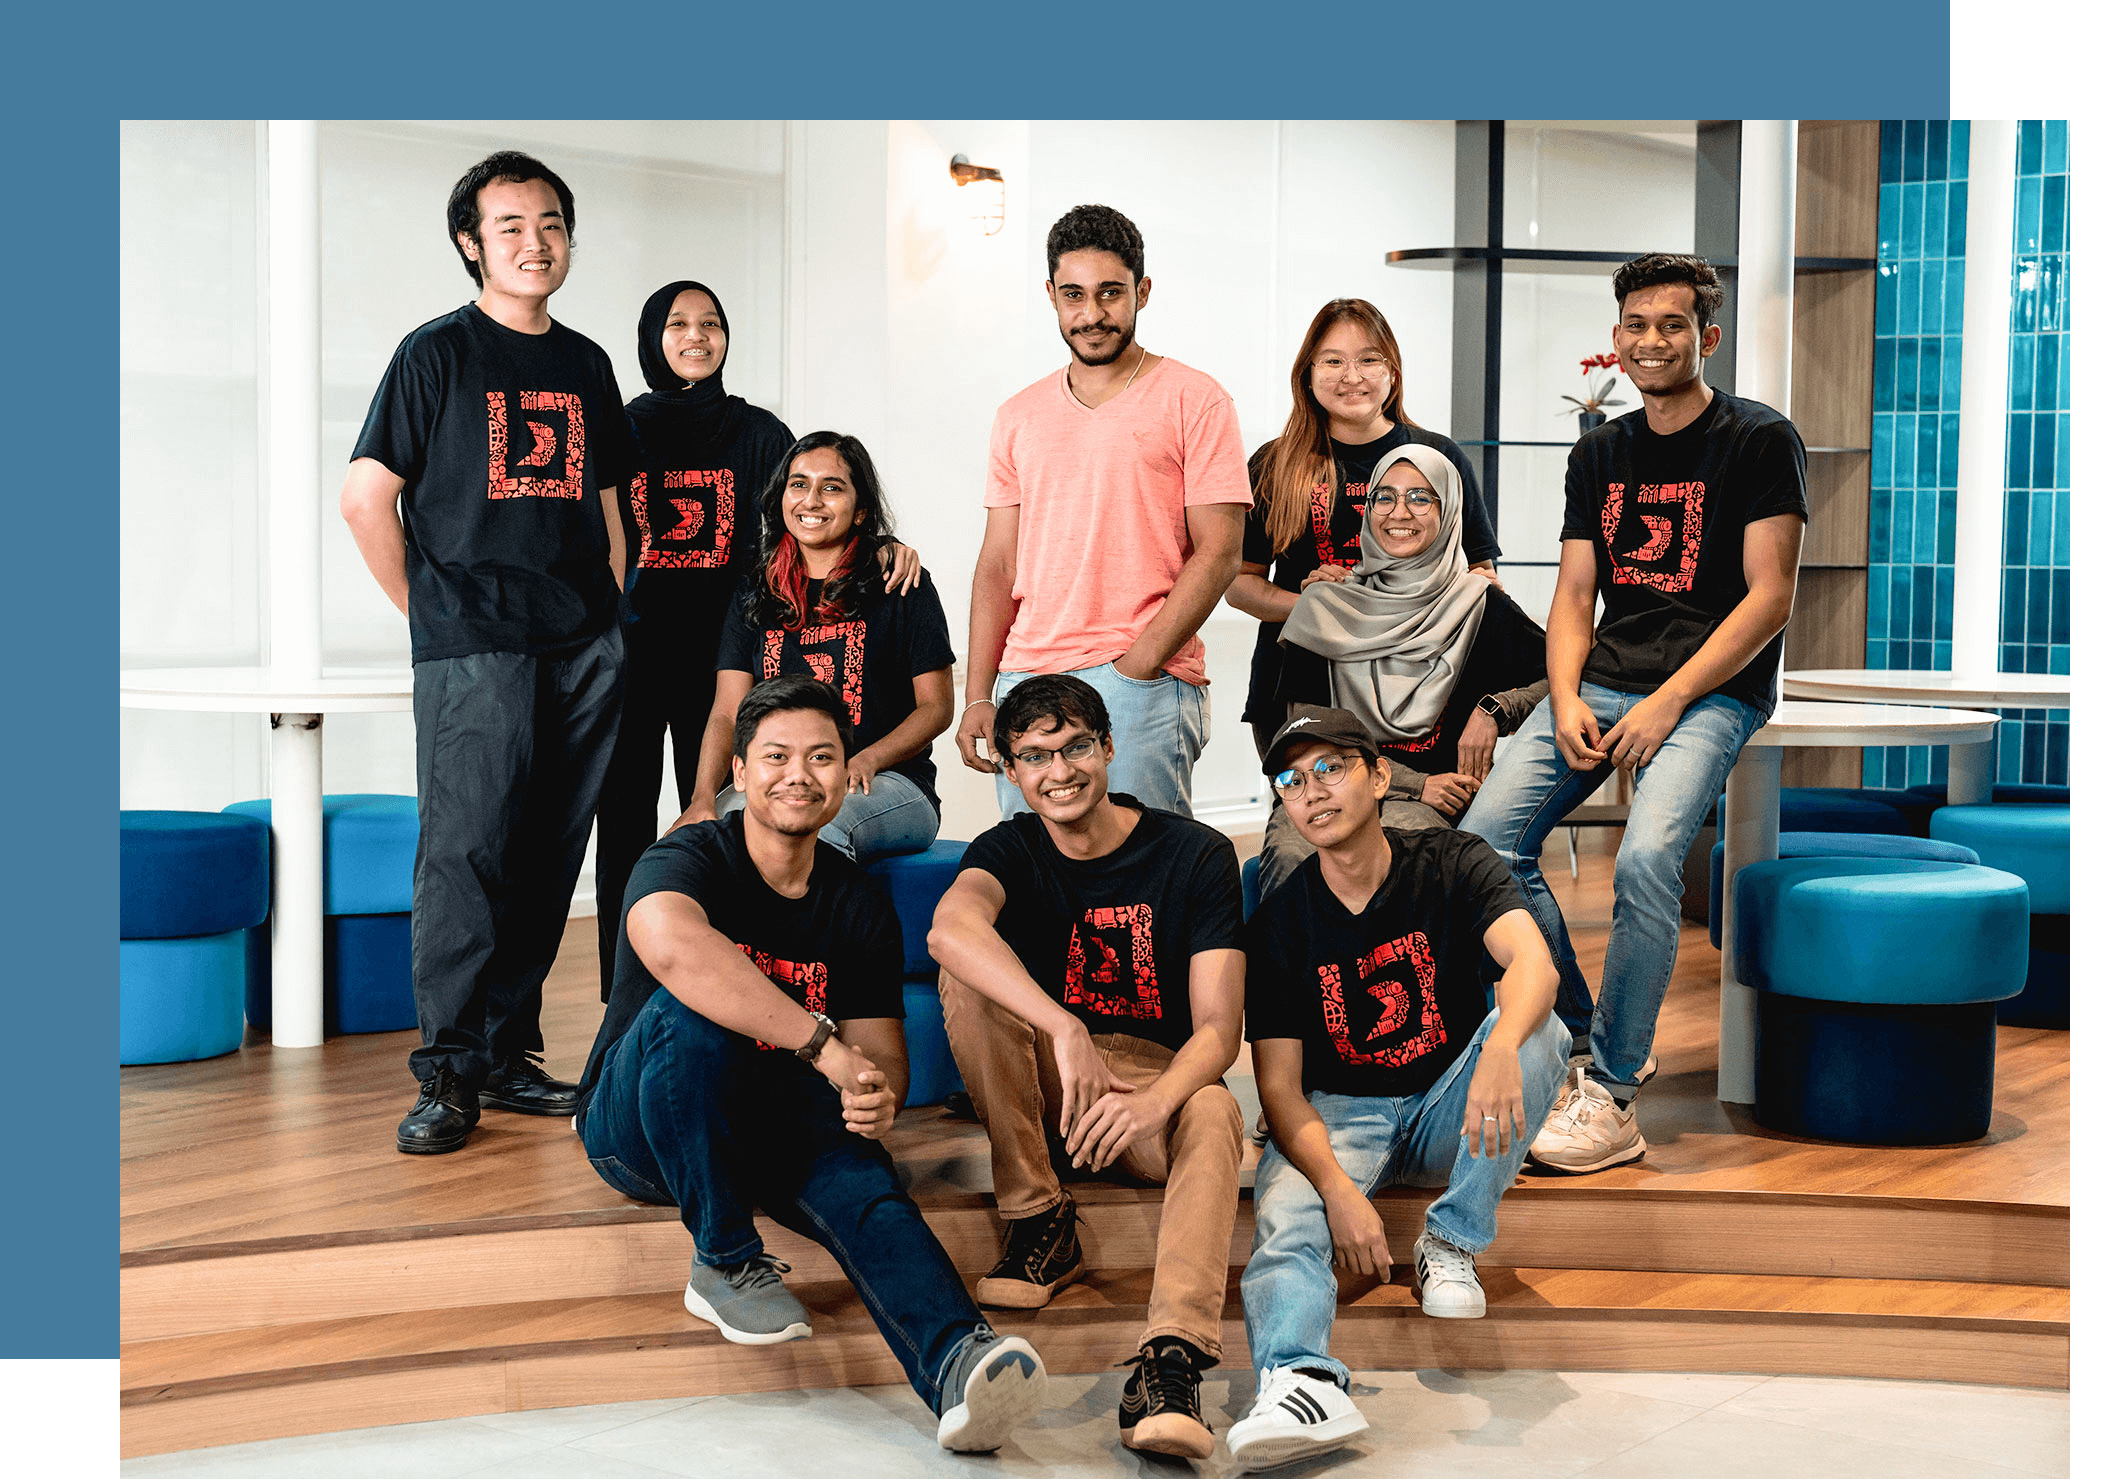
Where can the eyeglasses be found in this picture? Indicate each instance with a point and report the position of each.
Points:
(1370, 366)
(1074, 751)
(1414, 500)
(1330, 768)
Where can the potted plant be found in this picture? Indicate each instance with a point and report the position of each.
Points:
(1591, 408)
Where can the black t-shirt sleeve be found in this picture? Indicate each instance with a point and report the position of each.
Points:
(676, 865)
(928, 633)
(403, 412)
(1482, 888)
(614, 448)
(1254, 547)
(1215, 902)
(999, 853)
(739, 649)
(1478, 536)
(1775, 471)
(1272, 991)
(1580, 475)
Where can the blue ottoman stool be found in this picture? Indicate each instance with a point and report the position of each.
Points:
(1827, 809)
(370, 840)
(1877, 979)
(1250, 886)
(190, 884)
(916, 882)
(2016, 794)
(1833, 845)
(2033, 841)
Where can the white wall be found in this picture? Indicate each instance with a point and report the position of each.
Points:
(863, 299)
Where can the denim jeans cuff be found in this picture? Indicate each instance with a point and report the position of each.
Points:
(751, 1247)
(1461, 1241)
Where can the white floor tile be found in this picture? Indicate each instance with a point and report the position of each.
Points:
(1733, 1445)
(433, 1450)
(2013, 1428)
(566, 1424)
(1692, 1389)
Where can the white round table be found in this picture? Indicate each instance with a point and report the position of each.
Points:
(297, 705)
(1969, 768)
(1752, 818)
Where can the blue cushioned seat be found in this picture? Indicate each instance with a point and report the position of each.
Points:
(1877, 979)
(2010, 794)
(2033, 840)
(1250, 886)
(917, 882)
(932, 1072)
(369, 844)
(189, 885)
(1833, 845)
(1828, 809)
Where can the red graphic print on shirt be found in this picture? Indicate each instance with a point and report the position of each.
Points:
(1112, 969)
(1351, 550)
(544, 415)
(807, 976)
(1422, 744)
(833, 653)
(1658, 561)
(682, 546)
(1394, 976)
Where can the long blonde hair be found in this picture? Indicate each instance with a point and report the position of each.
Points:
(1301, 458)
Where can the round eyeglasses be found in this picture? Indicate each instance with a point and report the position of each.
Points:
(1074, 751)
(1332, 769)
(1370, 366)
(1415, 500)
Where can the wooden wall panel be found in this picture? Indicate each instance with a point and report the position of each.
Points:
(1839, 188)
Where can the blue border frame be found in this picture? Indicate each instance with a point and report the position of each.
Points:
(1155, 58)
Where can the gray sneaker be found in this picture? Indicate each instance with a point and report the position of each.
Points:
(747, 1301)
(994, 1383)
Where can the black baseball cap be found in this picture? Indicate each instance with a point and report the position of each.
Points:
(1310, 724)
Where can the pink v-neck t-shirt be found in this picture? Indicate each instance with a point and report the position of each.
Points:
(1102, 498)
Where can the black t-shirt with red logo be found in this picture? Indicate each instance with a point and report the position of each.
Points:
(692, 512)
(1385, 1000)
(835, 950)
(870, 659)
(1112, 938)
(1332, 536)
(503, 440)
(1667, 515)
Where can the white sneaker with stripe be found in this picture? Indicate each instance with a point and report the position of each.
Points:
(1295, 1415)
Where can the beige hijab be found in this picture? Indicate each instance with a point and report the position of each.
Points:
(1396, 632)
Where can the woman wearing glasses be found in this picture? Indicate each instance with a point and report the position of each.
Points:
(817, 602)
(1309, 483)
(1434, 660)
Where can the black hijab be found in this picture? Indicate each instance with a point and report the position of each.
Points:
(649, 344)
(698, 415)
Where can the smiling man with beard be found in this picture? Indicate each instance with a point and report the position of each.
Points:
(1092, 983)
(752, 1055)
(1117, 499)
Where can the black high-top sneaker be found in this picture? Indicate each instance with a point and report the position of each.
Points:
(1161, 1404)
(1040, 1255)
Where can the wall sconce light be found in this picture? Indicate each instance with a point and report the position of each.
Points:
(988, 192)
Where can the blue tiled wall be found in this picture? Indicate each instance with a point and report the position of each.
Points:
(1917, 389)
(2035, 634)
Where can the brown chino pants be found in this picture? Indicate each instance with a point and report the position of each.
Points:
(1009, 1068)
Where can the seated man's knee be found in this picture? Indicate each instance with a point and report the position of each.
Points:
(675, 1030)
(1211, 1109)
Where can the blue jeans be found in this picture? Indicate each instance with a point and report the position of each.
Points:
(1160, 727)
(688, 1114)
(895, 817)
(1289, 1284)
(1532, 789)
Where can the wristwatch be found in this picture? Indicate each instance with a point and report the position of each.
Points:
(1489, 705)
(826, 1028)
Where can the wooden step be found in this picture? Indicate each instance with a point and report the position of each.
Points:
(638, 1249)
(413, 1365)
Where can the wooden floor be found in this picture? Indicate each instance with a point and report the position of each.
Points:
(286, 1270)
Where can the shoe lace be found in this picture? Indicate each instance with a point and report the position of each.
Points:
(442, 1084)
(757, 1272)
(1276, 1383)
(1454, 1265)
(1582, 1103)
(528, 1065)
(1031, 1239)
(1170, 1381)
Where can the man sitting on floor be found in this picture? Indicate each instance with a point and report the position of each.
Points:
(1092, 984)
(752, 1052)
(1380, 1063)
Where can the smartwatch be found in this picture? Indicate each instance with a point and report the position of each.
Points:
(826, 1028)
(1489, 705)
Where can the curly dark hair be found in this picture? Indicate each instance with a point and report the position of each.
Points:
(1095, 228)
(1654, 269)
(781, 695)
(510, 167)
(776, 595)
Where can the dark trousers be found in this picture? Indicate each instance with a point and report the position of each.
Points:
(670, 685)
(510, 753)
(686, 1113)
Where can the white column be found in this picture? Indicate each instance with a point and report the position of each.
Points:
(295, 399)
(1987, 312)
(294, 497)
(1762, 312)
